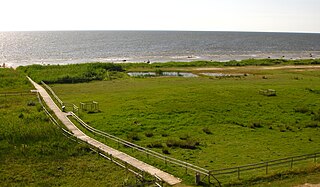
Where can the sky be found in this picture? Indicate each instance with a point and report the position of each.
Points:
(193, 15)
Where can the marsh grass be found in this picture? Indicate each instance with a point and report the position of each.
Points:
(246, 127)
(33, 152)
(74, 73)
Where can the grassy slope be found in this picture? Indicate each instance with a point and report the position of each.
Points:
(180, 108)
(33, 152)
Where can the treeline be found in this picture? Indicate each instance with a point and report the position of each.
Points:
(73, 73)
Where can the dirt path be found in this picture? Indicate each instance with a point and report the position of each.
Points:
(63, 117)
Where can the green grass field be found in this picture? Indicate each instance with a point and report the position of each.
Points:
(34, 152)
(211, 122)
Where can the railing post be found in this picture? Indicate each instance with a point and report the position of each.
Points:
(186, 168)
(267, 168)
(238, 173)
(198, 178)
(291, 163)
(315, 158)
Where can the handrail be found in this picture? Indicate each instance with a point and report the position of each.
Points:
(132, 145)
(266, 164)
(16, 93)
(52, 92)
(142, 149)
(71, 136)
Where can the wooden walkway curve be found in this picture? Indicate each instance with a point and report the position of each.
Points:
(63, 117)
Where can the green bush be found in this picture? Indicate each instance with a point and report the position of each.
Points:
(156, 144)
(302, 109)
(312, 125)
(165, 150)
(185, 144)
(206, 130)
(149, 134)
(133, 136)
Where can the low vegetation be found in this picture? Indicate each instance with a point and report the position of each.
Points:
(248, 62)
(74, 73)
(210, 122)
(79, 73)
(33, 152)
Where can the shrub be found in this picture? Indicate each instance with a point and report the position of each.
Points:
(164, 134)
(31, 103)
(158, 72)
(165, 150)
(302, 109)
(187, 144)
(206, 130)
(184, 137)
(156, 144)
(312, 125)
(21, 116)
(256, 124)
(149, 134)
(316, 116)
(133, 136)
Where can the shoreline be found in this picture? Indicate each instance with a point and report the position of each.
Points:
(184, 58)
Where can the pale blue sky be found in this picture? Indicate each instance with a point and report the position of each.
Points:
(212, 15)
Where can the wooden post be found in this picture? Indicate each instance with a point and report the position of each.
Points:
(238, 173)
(209, 177)
(315, 158)
(186, 168)
(267, 168)
(126, 165)
(198, 179)
(291, 162)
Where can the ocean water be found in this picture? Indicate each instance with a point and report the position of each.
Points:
(24, 48)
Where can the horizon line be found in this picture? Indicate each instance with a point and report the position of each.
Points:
(163, 30)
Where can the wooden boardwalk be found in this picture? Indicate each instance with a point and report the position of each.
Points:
(63, 117)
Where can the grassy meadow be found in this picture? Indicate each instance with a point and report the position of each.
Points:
(210, 122)
(34, 152)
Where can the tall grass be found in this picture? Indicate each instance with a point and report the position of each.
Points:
(11, 80)
(247, 62)
(33, 152)
(74, 73)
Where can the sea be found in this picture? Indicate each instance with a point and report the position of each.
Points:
(67, 47)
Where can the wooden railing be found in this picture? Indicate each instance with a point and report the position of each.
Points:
(187, 166)
(140, 174)
(53, 94)
(267, 165)
(6, 94)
